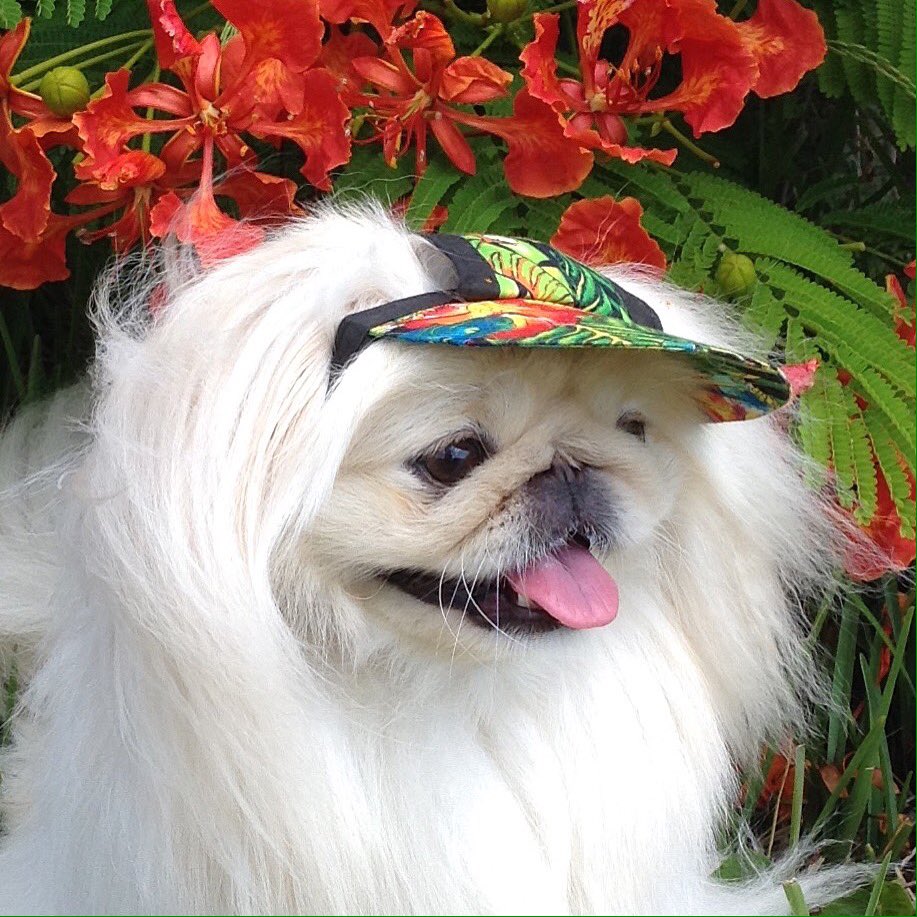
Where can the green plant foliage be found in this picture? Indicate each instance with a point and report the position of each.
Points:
(10, 13)
(872, 47)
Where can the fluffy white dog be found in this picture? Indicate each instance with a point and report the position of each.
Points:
(257, 612)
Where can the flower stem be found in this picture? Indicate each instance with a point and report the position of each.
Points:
(689, 144)
(737, 9)
(32, 85)
(52, 62)
(137, 55)
(559, 7)
(493, 33)
(456, 12)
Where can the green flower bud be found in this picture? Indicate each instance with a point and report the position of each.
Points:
(735, 274)
(64, 90)
(506, 10)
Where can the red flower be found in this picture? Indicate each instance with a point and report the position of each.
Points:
(262, 83)
(607, 231)
(411, 100)
(721, 61)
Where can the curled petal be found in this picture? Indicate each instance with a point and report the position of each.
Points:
(128, 170)
(603, 230)
(453, 142)
(319, 129)
(539, 64)
(472, 80)
(542, 161)
(579, 130)
(170, 34)
(27, 265)
(26, 213)
(424, 31)
(786, 40)
(288, 30)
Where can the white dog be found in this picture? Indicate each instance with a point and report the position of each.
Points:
(256, 609)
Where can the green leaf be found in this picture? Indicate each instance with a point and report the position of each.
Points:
(10, 13)
(368, 176)
(476, 206)
(438, 178)
(893, 899)
(76, 12)
(895, 220)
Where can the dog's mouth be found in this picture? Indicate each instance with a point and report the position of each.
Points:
(565, 588)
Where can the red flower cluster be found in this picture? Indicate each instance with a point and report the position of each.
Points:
(721, 62)
(312, 71)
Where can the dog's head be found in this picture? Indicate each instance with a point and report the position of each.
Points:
(452, 497)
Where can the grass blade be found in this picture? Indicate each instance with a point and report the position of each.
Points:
(799, 773)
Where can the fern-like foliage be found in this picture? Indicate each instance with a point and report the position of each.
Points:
(10, 13)
(872, 48)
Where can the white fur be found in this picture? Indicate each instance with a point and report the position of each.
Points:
(225, 715)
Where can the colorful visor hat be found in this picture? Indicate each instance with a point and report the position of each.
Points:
(518, 293)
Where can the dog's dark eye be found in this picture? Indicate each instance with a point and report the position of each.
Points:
(633, 424)
(449, 464)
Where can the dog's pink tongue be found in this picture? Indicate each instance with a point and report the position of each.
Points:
(571, 586)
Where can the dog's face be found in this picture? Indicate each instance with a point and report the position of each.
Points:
(481, 488)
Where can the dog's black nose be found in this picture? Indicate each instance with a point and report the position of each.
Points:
(569, 502)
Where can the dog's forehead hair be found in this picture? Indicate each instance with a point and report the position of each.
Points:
(427, 393)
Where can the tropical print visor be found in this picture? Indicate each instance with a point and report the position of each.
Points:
(517, 293)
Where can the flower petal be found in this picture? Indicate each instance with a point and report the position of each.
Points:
(472, 80)
(11, 45)
(128, 170)
(594, 19)
(26, 213)
(288, 30)
(801, 376)
(542, 161)
(338, 54)
(109, 122)
(603, 230)
(258, 194)
(379, 13)
(170, 34)
(717, 69)
(539, 64)
(319, 129)
(424, 31)
(786, 40)
(27, 265)
(453, 142)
